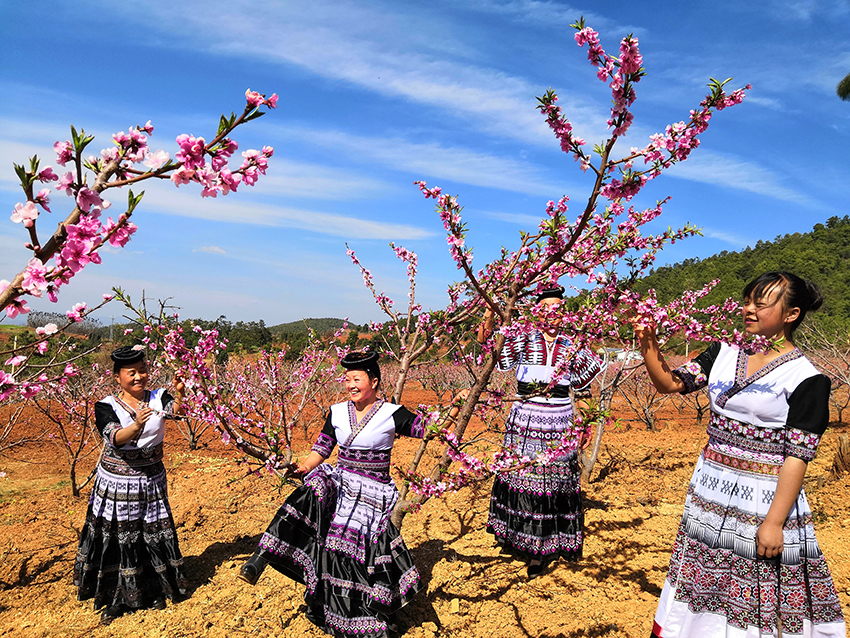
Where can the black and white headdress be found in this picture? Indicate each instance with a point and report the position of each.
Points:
(127, 356)
(366, 360)
(556, 291)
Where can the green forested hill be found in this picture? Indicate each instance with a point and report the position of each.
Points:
(319, 325)
(822, 255)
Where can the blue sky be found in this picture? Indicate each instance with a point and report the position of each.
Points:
(375, 95)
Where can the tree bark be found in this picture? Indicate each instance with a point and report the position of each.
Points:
(841, 463)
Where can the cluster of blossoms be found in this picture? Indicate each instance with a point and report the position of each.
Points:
(217, 178)
(664, 149)
(254, 403)
(80, 236)
(623, 72)
(679, 139)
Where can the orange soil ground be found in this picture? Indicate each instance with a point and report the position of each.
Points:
(631, 519)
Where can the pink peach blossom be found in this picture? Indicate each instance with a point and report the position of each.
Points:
(25, 213)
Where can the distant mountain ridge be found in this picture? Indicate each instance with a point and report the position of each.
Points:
(822, 255)
(319, 325)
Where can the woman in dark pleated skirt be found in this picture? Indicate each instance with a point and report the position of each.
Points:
(538, 513)
(333, 534)
(128, 556)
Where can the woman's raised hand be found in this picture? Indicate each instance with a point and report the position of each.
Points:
(143, 413)
(644, 327)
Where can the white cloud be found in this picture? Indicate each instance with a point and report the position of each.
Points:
(433, 160)
(526, 221)
(227, 209)
(214, 250)
(556, 15)
(714, 168)
(384, 50)
(731, 238)
(311, 181)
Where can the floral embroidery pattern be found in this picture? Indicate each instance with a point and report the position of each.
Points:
(801, 444)
(373, 464)
(692, 376)
(324, 445)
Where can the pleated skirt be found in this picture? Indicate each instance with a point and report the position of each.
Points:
(128, 553)
(716, 586)
(355, 574)
(539, 513)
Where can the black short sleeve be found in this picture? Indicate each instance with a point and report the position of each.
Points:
(408, 424)
(694, 373)
(326, 442)
(707, 357)
(104, 415)
(808, 405)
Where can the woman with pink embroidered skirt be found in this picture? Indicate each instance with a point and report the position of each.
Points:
(746, 563)
(333, 534)
(539, 513)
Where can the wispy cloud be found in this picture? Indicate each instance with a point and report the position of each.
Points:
(556, 15)
(731, 238)
(720, 170)
(369, 47)
(526, 221)
(311, 181)
(214, 250)
(433, 160)
(227, 209)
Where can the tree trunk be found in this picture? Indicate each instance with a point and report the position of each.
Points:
(606, 398)
(701, 413)
(463, 419)
(398, 390)
(587, 462)
(75, 489)
(841, 463)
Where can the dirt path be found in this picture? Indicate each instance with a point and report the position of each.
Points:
(472, 591)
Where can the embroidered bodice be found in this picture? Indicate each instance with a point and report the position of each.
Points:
(788, 394)
(112, 414)
(537, 361)
(365, 446)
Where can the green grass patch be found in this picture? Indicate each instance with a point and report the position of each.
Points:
(8, 494)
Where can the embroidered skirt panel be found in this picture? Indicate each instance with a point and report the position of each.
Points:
(539, 512)
(128, 551)
(716, 585)
(333, 534)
